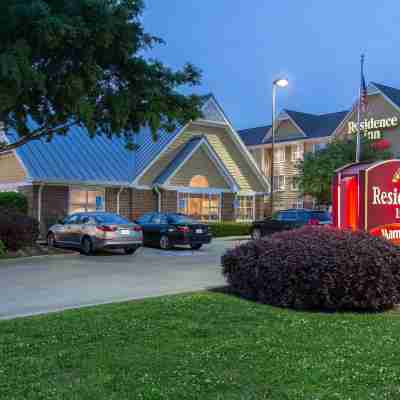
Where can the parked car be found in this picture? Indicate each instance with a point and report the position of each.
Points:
(289, 219)
(167, 230)
(91, 231)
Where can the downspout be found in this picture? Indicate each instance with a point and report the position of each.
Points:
(157, 190)
(40, 192)
(118, 199)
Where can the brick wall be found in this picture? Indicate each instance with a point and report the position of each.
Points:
(169, 201)
(125, 201)
(228, 210)
(143, 201)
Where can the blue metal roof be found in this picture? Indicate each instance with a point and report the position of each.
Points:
(178, 160)
(99, 160)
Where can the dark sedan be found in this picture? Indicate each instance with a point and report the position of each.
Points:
(289, 219)
(168, 230)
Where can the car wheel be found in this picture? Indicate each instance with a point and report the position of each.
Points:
(51, 240)
(165, 243)
(256, 234)
(131, 250)
(86, 246)
(197, 246)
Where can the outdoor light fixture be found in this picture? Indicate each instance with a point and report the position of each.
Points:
(282, 83)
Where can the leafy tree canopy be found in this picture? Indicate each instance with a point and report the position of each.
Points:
(318, 169)
(82, 62)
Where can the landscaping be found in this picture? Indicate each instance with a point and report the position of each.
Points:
(199, 346)
(226, 229)
(317, 268)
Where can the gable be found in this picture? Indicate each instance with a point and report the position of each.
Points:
(378, 109)
(212, 112)
(11, 169)
(222, 143)
(287, 130)
(199, 164)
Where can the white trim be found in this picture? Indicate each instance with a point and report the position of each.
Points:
(214, 158)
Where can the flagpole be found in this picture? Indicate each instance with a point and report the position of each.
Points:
(358, 143)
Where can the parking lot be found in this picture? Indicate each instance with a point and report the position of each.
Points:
(40, 285)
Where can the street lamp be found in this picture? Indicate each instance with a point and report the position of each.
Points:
(282, 83)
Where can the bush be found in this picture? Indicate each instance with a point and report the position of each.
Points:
(224, 229)
(317, 268)
(13, 201)
(3, 249)
(18, 230)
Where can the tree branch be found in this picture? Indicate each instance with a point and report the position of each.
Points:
(35, 135)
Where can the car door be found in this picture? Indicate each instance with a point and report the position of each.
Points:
(145, 222)
(156, 226)
(66, 232)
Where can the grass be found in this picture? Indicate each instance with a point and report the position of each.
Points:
(199, 346)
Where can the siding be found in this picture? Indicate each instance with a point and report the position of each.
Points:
(11, 169)
(228, 209)
(223, 144)
(287, 130)
(199, 164)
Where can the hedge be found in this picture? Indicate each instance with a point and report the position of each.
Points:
(225, 229)
(317, 268)
(14, 201)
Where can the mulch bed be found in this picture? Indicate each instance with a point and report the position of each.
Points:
(36, 250)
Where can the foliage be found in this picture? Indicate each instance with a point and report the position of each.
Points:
(209, 346)
(225, 229)
(85, 63)
(318, 169)
(17, 230)
(317, 268)
(3, 248)
(13, 201)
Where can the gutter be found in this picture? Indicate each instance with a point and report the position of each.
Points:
(157, 190)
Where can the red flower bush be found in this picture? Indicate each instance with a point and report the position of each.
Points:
(382, 144)
(317, 268)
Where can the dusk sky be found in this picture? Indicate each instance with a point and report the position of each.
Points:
(242, 45)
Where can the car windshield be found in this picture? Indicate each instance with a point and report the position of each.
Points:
(181, 219)
(111, 219)
(321, 215)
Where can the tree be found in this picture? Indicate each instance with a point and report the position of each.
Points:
(318, 169)
(82, 62)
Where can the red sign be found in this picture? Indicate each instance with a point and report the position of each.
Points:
(382, 199)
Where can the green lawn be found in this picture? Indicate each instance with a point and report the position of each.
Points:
(200, 346)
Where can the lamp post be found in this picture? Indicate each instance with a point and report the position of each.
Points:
(282, 83)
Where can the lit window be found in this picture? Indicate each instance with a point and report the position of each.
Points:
(280, 154)
(298, 204)
(85, 200)
(202, 206)
(245, 208)
(199, 181)
(298, 152)
(279, 183)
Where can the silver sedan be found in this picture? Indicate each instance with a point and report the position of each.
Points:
(91, 231)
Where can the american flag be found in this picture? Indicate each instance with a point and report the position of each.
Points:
(363, 90)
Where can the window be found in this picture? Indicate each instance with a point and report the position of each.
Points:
(298, 204)
(84, 200)
(245, 208)
(199, 181)
(145, 219)
(202, 206)
(280, 155)
(319, 146)
(279, 183)
(295, 184)
(298, 152)
(73, 219)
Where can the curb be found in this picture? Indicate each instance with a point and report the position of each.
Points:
(36, 257)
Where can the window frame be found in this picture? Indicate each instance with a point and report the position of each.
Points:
(252, 208)
(87, 207)
(186, 196)
(280, 150)
(280, 188)
(297, 152)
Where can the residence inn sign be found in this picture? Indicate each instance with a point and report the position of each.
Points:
(367, 196)
(372, 128)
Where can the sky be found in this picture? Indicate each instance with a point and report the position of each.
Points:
(241, 46)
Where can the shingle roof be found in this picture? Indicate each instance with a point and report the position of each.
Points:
(313, 126)
(254, 136)
(392, 93)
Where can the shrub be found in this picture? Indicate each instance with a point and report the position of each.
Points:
(18, 230)
(317, 268)
(13, 201)
(224, 229)
(3, 249)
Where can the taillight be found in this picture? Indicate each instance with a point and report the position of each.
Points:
(106, 228)
(314, 221)
(184, 229)
(137, 228)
